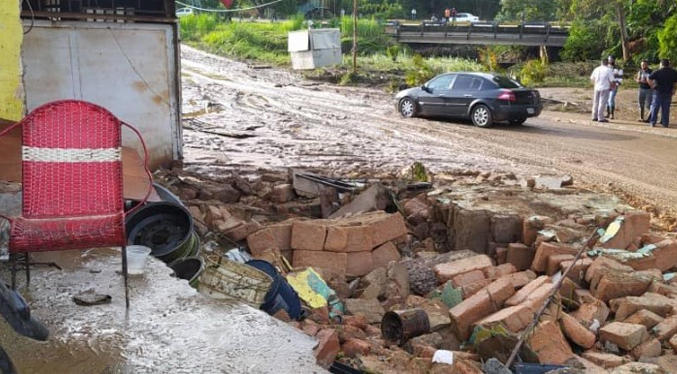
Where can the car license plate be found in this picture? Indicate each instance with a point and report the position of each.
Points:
(530, 110)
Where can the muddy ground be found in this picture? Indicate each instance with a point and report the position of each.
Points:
(241, 118)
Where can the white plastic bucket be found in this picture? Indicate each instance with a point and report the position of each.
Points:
(136, 258)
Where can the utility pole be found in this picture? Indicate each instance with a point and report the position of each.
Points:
(354, 36)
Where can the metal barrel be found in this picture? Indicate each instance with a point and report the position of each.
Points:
(401, 325)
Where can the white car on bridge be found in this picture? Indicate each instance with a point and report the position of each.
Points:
(466, 17)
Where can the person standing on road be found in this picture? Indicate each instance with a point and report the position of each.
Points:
(644, 96)
(618, 79)
(663, 82)
(454, 12)
(603, 79)
(413, 13)
(447, 15)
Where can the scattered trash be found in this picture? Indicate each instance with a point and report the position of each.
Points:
(312, 289)
(230, 280)
(526, 368)
(238, 255)
(401, 325)
(443, 357)
(188, 269)
(91, 297)
(281, 295)
(136, 259)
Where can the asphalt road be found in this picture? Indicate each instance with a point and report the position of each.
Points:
(241, 118)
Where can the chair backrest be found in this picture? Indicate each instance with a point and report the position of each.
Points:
(71, 160)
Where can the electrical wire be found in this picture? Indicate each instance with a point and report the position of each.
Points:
(30, 7)
(227, 10)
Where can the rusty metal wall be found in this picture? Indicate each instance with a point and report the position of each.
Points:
(129, 68)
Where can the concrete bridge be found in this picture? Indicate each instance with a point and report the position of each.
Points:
(484, 33)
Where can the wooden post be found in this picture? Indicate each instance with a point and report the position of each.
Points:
(354, 36)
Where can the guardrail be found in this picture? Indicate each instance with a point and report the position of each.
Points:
(431, 32)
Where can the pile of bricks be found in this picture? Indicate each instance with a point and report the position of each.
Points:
(351, 247)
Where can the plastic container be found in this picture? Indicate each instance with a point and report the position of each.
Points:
(188, 269)
(136, 258)
(232, 280)
(281, 294)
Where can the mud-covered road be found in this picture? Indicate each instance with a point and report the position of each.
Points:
(239, 117)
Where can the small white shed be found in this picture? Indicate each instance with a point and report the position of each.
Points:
(315, 48)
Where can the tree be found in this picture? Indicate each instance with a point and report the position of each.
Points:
(667, 40)
(528, 10)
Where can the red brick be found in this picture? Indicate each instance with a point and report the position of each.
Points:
(662, 289)
(359, 321)
(605, 360)
(282, 234)
(650, 348)
(673, 342)
(584, 296)
(644, 317)
(308, 235)
(501, 255)
(619, 284)
(548, 343)
(520, 279)
(589, 312)
(310, 327)
(536, 299)
(520, 256)
(568, 288)
(470, 311)
(386, 227)
(578, 333)
(625, 335)
(668, 363)
(327, 347)
(588, 366)
(467, 278)
(633, 225)
(602, 265)
(260, 241)
(665, 254)
(499, 271)
(359, 264)
(354, 347)
(385, 253)
(626, 306)
(577, 273)
(531, 226)
(514, 318)
(666, 328)
(348, 239)
(282, 193)
(554, 262)
(449, 270)
(527, 290)
(241, 232)
(414, 205)
(473, 288)
(500, 290)
(337, 262)
(547, 249)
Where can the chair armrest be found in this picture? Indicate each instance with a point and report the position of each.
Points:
(145, 167)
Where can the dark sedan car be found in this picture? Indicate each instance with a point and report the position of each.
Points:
(483, 98)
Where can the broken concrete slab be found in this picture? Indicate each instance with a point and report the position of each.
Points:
(374, 198)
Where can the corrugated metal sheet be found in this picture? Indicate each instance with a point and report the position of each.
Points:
(128, 68)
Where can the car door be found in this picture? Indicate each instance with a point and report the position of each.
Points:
(463, 93)
(433, 100)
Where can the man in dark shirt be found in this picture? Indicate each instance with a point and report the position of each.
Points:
(644, 97)
(663, 82)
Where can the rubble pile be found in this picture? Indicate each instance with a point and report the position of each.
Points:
(480, 262)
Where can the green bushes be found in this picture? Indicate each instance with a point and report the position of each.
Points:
(533, 72)
(667, 40)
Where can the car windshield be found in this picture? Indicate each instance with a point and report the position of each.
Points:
(505, 82)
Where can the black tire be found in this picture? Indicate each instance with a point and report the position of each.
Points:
(517, 121)
(481, 116)
(407, 107)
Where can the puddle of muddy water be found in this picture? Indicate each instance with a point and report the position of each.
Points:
(169, 328)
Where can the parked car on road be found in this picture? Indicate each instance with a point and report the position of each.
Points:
(483, 98)
(184, 12)
(466, 17)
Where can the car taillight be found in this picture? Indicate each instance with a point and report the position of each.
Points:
(507, 95)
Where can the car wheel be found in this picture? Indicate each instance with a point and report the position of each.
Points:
(407, 107)
(481, 116)
(517, 121)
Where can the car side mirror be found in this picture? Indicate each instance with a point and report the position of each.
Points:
(425, 88)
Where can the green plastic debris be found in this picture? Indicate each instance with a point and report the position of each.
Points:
(449, 295)
(481, 333)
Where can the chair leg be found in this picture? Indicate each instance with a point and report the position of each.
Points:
(28, 270)
(125, 275)
(13, 261)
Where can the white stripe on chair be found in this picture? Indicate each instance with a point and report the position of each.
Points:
(71, 154)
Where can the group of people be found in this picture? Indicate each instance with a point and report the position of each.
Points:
(449, 15)
(656, 89)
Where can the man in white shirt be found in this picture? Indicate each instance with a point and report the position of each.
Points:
(603, 79)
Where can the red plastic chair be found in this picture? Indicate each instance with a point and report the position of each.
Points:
(72, 181)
